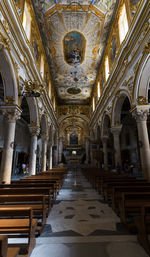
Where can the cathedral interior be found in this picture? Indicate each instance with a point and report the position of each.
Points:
(74, 120)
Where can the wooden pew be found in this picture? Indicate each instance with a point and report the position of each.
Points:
(28, 191)
(112, 177)
(29, 183)
(118, 190)
(108, 187)
(5, 250)
(130, 203)
(19, 221)
(45, 178)
(37, 202)
(142, 224)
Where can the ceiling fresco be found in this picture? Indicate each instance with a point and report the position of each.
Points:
(75, 34)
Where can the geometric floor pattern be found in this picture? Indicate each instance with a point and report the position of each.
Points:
(82, 224)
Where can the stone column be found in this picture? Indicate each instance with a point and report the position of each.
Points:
(44, 151)
(50, 161)
(33, 149)
(57, 149)
(11, 114)
(60, 149)
(87, 151)
(116, 134)
(105, 151)
(140, 113)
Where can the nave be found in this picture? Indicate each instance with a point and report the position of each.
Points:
(82, 224)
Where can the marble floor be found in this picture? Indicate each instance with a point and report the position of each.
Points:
(82, 224)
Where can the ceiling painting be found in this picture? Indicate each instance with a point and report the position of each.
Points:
(74, 48)
(75, 33)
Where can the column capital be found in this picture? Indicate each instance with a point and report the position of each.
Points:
(34, 130)
(11, 112)
(115, 130)
(140, 113)
(44, 136)
(104, 138)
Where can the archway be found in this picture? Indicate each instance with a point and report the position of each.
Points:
(107, 138)
(129, 140)
(22, 143)
(9, 78)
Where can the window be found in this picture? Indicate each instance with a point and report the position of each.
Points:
(123, 24)
(93, 104)
(27, 21)
(42, 66)
(50, 89)
(98, 90)
(106, 68)
(54, 104)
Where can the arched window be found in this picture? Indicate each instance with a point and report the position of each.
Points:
(106, 68)
(54, 104)
(98, 90)
(42, 66)
(27, 20)
(93, 104)
(123, 24)
(50, 89)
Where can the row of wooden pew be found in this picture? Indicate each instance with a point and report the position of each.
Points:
(128, 196)
(24, 206)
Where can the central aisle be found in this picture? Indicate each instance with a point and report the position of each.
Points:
(82, 224)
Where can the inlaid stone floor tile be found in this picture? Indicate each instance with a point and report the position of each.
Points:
(82, 224)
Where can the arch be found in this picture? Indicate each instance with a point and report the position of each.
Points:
(33, 110)
(142, 78)
(117, 106)
(9, 76)
(75, 116)
(77, 124)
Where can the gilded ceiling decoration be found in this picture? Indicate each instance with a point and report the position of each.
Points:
(74, 34)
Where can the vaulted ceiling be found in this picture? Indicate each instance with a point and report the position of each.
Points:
(74, 35)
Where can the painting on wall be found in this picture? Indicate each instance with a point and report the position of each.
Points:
(74, 139)
(74, 48)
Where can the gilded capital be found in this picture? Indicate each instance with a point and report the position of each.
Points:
(11, 112)
(34, 130)
(140, 114)
(44, 136)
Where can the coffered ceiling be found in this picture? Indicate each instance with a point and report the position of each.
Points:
(74, 34)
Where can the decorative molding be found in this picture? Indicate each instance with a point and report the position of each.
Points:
(142, 100)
